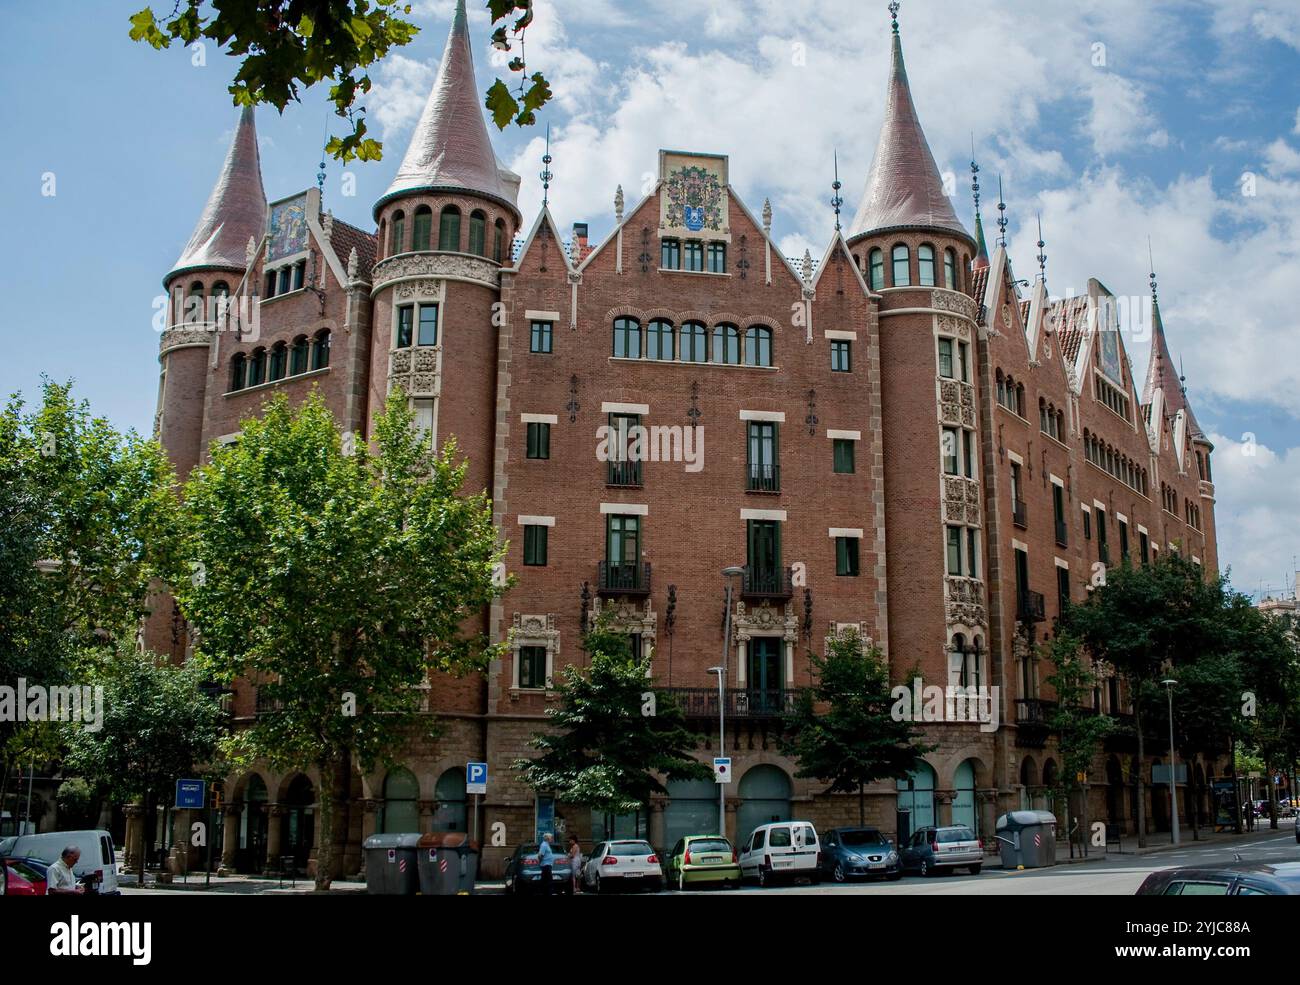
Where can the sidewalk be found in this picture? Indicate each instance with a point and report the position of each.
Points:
(237, 885)
(1159, 841)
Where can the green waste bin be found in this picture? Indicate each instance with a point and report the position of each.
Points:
(448, 863)
(391, 868)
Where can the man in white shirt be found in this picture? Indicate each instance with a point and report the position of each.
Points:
(59, 879)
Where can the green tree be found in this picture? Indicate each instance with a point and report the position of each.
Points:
(842, 730)
(337, 579)
(284, 47)
(1079, 729)
(158, 727)
(613, 735)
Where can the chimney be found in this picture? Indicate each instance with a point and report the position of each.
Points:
(580, 247)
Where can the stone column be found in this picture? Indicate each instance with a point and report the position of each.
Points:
(230, 837)
(134, 824)
(182, 856)
(275, 815)
(370, 817)
(986, 801)
(427, 808)
(656, 825)
(943, 807)
(741, 668)
(731, 833)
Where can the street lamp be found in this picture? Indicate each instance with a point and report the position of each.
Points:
(1173, 790)
(729, 572)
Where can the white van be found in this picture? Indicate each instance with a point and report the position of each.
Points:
(781, 850)
(96, 853)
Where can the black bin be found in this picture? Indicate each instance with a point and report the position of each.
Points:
(391, 868)
(448, 863)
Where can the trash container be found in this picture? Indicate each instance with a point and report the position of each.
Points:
(1027, 839)
(391, 868)
(448, 863)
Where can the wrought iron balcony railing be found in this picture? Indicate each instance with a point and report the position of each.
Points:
(763, 478)
(1030, 607)
(626, 474)
(1062, 535)
(623, 579)
(1019, 515)
(767, 583)
(702, 702)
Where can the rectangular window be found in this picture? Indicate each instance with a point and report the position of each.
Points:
(405, 326)
(1062, 590)
(846, 556)
(693, 255)
(270, 283)
(1123, 540)
(950, 451)
(540, 337)
(972, 552)
(1058, 514)
(299, 274)
(535, 538)
(841, 356)
(963, 364)
(670, 254)
(764, 472)
(717, 258)
(285, 279)
(968, 452)
(1087, 525)
(763, 552)
(843, 452)
(428, 334)
(945, 358)
(1144, 547)
(532, 667)
(623, 469)
(623, 551)
(539, 439)
(954, 551)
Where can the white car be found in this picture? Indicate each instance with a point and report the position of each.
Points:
(622, 864)
(781, 850)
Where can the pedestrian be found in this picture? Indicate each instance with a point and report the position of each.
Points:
(575, 861)
(546, 858)
(60, 879)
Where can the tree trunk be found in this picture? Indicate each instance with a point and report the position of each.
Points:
(1272, 797)
(1141, 777)
(862, 804)
(144, 815)
(327, 807)
(1194, 802)
(1084, 833)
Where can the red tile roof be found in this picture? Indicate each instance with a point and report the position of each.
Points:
(345, 236)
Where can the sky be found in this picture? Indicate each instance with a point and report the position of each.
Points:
(1114, 121)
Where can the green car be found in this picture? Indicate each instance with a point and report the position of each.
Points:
(702, 858)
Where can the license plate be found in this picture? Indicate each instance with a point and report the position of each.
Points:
(783, 863)
(877, 865)
(713, 860)
(633, 875)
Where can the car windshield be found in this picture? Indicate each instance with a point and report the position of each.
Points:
(949, 835)
(709, 845)
(630, 848)
(863, 836)
(28, 872)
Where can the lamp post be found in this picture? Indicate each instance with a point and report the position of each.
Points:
(1173, 790)
(728, 573)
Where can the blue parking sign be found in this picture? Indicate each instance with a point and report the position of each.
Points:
(190, 793)
(476, 777)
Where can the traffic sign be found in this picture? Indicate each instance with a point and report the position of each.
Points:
(722, 769)
(190, 793)
(476, 777)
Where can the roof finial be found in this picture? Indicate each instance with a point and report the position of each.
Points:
(1002, 216)
(836, 200)
(981, 250)
(320, 175)
(767, 216)
(974, 174)
(1042, 257)
(1182, 378)
(546, 174)
(893, 14)
(618, 206)
(1151, 260)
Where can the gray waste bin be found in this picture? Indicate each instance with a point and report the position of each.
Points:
(448, 863)
(1027, 839)
(391, 868)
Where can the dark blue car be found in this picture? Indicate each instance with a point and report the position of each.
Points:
(858, 853)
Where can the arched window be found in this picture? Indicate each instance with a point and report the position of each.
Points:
(238, 371)
(499, 242)
(627, 338)
(902, 265)
(659, 340)
(194, 304)
(257, 367)
(422, 228)
(726, 344)
(758, 346)
(279, 360)
(694, 347)
(401, 802)
(320, 349)
(220, 289)
(298, 356)
(397, 243)
(876, 266)
(449, 802)
(925, 264)
(478, 233)
(950, 269)
(219, 303)
(449, 229)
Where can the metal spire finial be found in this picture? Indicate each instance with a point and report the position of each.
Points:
(546, 174)
(1002, 216)
(974, 174)
(1042, 257)
(893, 14)
(836, 200)
(1151, 260)
(320, 175)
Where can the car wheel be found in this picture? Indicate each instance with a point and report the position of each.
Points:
(681, 882)
(924, 868)
(764, 880)
(975, 869)
(510, 886)
(839, 874)
(600, 888)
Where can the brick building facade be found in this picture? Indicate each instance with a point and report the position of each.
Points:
(894, 439)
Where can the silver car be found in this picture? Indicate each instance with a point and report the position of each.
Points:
(933, 849)
(629, 863)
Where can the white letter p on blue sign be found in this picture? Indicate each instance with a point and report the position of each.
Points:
(476, 778)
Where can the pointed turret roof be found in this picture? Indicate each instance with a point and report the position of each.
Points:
(1162, 376)
(236, 209)
(450, 148)
(981, 248)
(904, 190)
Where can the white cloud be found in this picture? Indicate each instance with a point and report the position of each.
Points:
(1120, 119)
(1282, 158)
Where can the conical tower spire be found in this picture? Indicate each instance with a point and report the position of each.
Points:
(1161, 372)
(450, 149)
(236, 209)
(981, 247)
(904, 190)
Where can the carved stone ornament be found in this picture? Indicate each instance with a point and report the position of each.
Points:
(764, 618)
(950, 325)
(174, 338)
(841, 630)
(628, 617)
(418, 289)
(453, 266)
(965, 601)
(952, 301)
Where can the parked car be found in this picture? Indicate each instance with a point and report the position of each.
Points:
(97, 856)
(849, 853)
(781, 850)
(1233, 879)
(702, 859)
(622, 864)
(23, 877)
(932, 850)
(524, 873)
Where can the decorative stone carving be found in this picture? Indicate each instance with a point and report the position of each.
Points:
(965, 601)
(418, 289)
(174, 338)
(618, 206)
(840, 630)
(424, 385)
(952, 301)
(535, 630)
(765, 618)
(453, 266)
(401, 361)
(951, 325)
(628, 617)
(354, 264)
(426, 359)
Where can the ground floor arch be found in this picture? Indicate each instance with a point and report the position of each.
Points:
(765, 792)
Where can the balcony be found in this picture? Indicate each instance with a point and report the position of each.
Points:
(767, 583)
(266, 704)
(738, 703)
(1031, 722)
(763, 478)
(1030, 607)
(1062, 535)
(1019, 515)
(624, 474)
(623, 579)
